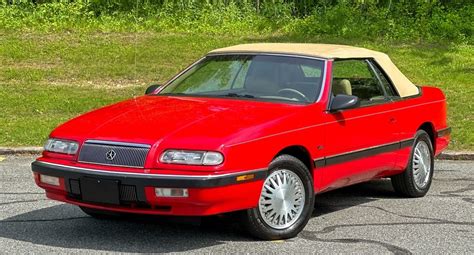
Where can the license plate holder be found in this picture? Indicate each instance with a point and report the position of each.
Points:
(100, 190)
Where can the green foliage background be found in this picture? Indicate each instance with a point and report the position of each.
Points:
(61, 58)
(414, 20)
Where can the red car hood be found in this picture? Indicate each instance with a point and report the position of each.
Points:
(187, 120)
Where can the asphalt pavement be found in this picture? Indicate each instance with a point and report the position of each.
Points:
(367, 218)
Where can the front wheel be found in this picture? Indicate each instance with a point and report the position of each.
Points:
(415, 181)
(286, 201)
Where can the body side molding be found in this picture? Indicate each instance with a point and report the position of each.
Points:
(362, 153)
(444, 132)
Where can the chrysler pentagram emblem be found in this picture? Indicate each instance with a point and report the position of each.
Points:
(110, 155)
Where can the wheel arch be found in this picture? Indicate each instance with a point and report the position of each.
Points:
(428, 127)
(300, 152)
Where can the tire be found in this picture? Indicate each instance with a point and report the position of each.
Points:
(101, 214)
(415, 181)
(257, 221)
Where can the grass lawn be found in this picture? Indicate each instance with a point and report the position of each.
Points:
(47, 78)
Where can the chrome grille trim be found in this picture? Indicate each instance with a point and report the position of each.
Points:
(126, 154)
(137, 145)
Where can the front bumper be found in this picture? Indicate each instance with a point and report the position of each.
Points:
(208, 194)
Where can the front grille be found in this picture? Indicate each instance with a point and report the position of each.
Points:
(114, 153)
(75, 186)
(128, 193)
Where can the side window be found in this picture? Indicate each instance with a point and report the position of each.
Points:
(385, 83)
(356, 77)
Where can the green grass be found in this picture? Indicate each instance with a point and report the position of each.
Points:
(47, 78)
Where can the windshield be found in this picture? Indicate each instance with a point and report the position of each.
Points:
(254, 77)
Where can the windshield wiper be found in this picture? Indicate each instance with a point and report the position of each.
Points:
(238, 95)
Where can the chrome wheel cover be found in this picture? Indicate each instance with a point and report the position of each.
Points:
(282, 199)
(421, 165)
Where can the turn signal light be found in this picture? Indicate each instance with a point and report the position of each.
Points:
(171, 192)
(245, 177)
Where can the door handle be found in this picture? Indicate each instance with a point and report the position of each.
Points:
(393, 120)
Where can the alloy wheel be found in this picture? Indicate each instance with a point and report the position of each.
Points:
(282, 199)
(421, 164)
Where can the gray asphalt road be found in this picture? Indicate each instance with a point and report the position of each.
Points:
(365, 218)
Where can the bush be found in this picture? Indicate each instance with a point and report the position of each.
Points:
(428, 22)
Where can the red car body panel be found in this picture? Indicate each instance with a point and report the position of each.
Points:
(344, 148)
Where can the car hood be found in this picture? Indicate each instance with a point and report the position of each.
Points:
(187, 120)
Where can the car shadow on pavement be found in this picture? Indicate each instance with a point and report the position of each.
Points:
(66, 226)
(354, 195)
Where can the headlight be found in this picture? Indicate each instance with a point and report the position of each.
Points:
(208, 158)
(61, 146)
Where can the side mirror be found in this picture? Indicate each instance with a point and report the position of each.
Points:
(152, 88)
(341, 102)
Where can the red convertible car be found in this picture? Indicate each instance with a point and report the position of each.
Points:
(254, 128)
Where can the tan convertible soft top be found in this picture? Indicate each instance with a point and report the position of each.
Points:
(331, 51)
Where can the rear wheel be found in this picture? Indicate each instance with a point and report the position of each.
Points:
(415, 181)
(286, 201)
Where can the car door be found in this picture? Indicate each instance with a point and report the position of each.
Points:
(360, 143)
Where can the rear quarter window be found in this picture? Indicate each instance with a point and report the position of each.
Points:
(351, 69)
